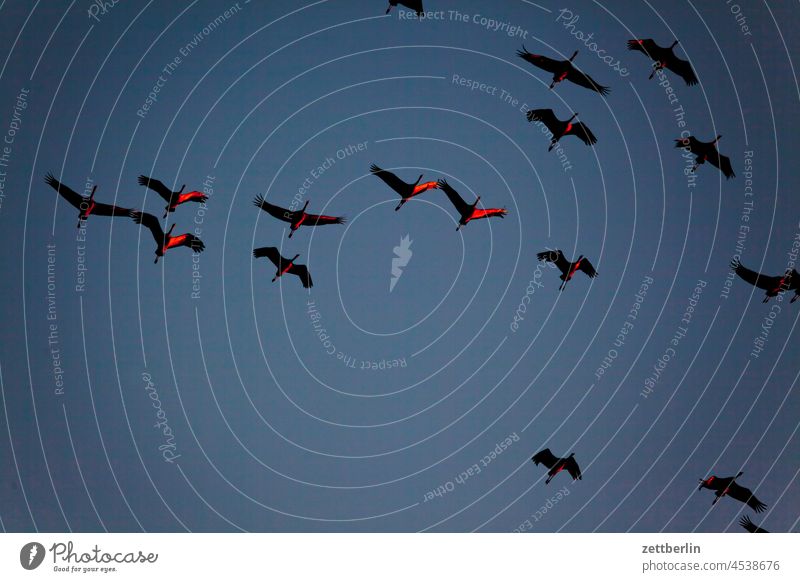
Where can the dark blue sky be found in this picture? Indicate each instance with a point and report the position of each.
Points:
(344, 408)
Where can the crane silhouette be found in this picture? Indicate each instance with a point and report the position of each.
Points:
(466, 211)
(85, 204)
(166, 241)
(772, 285)
(173, 199)
(407, 191)
(563, 70)
(728, 486)
(567, 268)
(664, 58)
(561, 128)
(296, 218)
(556, 465)
(706, 151)
(284, 265)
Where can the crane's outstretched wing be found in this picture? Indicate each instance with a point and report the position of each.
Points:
(391, 180)
(283, 214)
(690, 142)
(193, 196)
(582, 131)
(156, 186)
(455, 198)
(723, 163)
(302, 272)
(744, 495)
(489, 212)
(794, 281)
(271, 253)
(683, 69)
(587, 268)
(66, 192)
(585, 80)
(187, 240)
(150, 222)
(647, 46)
(101, 209)
(765, 282)
(750, 526)
(573, 469)
(321, 219)
(545, 457)
(544, 63)
(546, 116)
(76, 200)
(556, 257)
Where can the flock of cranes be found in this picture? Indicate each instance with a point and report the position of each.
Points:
(662, 58)
(87, 207)
(561, 70)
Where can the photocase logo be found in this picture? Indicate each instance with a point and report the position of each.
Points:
(402, 257)
(31, 555)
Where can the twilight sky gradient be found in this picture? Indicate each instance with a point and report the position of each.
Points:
(196, 395)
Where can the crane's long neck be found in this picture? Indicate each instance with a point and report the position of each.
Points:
(574, 115)
(674, 44)
(478, 199)
(305, 205)
(181, 190)
(575, 54)
(169, 232)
